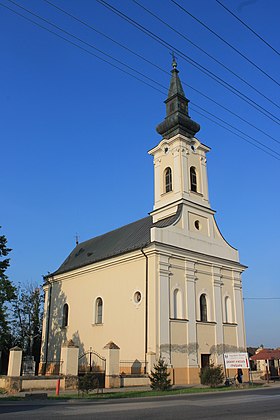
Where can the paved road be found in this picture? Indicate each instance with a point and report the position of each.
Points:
(257, 404)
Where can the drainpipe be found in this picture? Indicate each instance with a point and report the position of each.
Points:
(146, 309)
(48, 325)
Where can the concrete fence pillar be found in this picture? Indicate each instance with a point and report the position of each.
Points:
(15, 358)
(70, 359)
(112, 355)
(151, 361)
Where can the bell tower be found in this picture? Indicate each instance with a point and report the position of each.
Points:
(179, 158)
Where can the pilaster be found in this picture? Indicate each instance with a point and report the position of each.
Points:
(218, 314)
(190, 273)
(239, 310)
(164, 308)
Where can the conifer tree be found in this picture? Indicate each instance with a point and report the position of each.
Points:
(159, 376)
(7, 294)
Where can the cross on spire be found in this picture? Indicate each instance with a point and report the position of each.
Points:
(174, 62)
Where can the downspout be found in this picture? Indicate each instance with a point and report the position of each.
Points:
(146, 308)
(47, 326)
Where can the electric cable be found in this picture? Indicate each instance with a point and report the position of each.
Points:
(248, 27)
(237, 129)
(79, 46)
(74, 44)
(231, 131)
(205, 52)
(203, 69)
(158, 67)
(263, 298)
(224, 41)
(84, 42)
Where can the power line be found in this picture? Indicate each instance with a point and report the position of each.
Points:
(84, 42)
(239, 131)
(233, 132)
(248, 27)
(204, 70)
(157, 67)
(78, 46)
(136, 71)
(225, 42)
(262, 298)
(205, 52)
(102, 34)
(233, 113)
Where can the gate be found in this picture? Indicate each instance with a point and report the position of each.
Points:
(93, 362)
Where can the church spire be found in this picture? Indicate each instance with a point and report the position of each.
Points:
(177, 120)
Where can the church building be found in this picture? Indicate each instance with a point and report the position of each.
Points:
(166, 285)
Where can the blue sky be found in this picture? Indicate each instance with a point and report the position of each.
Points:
(75, 130)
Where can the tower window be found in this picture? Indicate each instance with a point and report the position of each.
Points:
(65, 312)
(99, 311)
(168, 180)
(203, 308)
(193, 179)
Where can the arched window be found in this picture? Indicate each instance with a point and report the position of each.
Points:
(203, 308)
(65, 312)
(99, 311)
(168, 179)
(177, 304)
(193, 178)
(228, 310)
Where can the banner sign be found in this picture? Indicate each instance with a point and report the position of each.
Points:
(236, 360)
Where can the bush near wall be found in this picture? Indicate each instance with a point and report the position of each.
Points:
(212, 375)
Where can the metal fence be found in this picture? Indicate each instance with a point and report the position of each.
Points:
(132, 367)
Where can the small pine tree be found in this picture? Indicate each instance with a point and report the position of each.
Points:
(212, 375)
(88, 382)
(159, 376)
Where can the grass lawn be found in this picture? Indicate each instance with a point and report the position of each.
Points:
(134, 394)
(147, 393)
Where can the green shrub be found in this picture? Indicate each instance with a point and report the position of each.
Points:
(87, 382)
(212, 375)
(159, 376)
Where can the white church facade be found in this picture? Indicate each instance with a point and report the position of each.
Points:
(167, 285)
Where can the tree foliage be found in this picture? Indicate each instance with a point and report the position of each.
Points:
(212, 375)
(87, 382)
(7, 294)
(27, 319)
(159, 377)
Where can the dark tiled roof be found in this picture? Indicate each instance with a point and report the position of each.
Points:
(127, 238)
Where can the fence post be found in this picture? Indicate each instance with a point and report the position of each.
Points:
(15, 358)
(112, 378)
(57, 387)
(70, 359)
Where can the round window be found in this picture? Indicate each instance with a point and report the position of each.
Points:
(137, 297)
(197, 224)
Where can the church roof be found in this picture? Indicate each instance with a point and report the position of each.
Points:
(127, 238)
